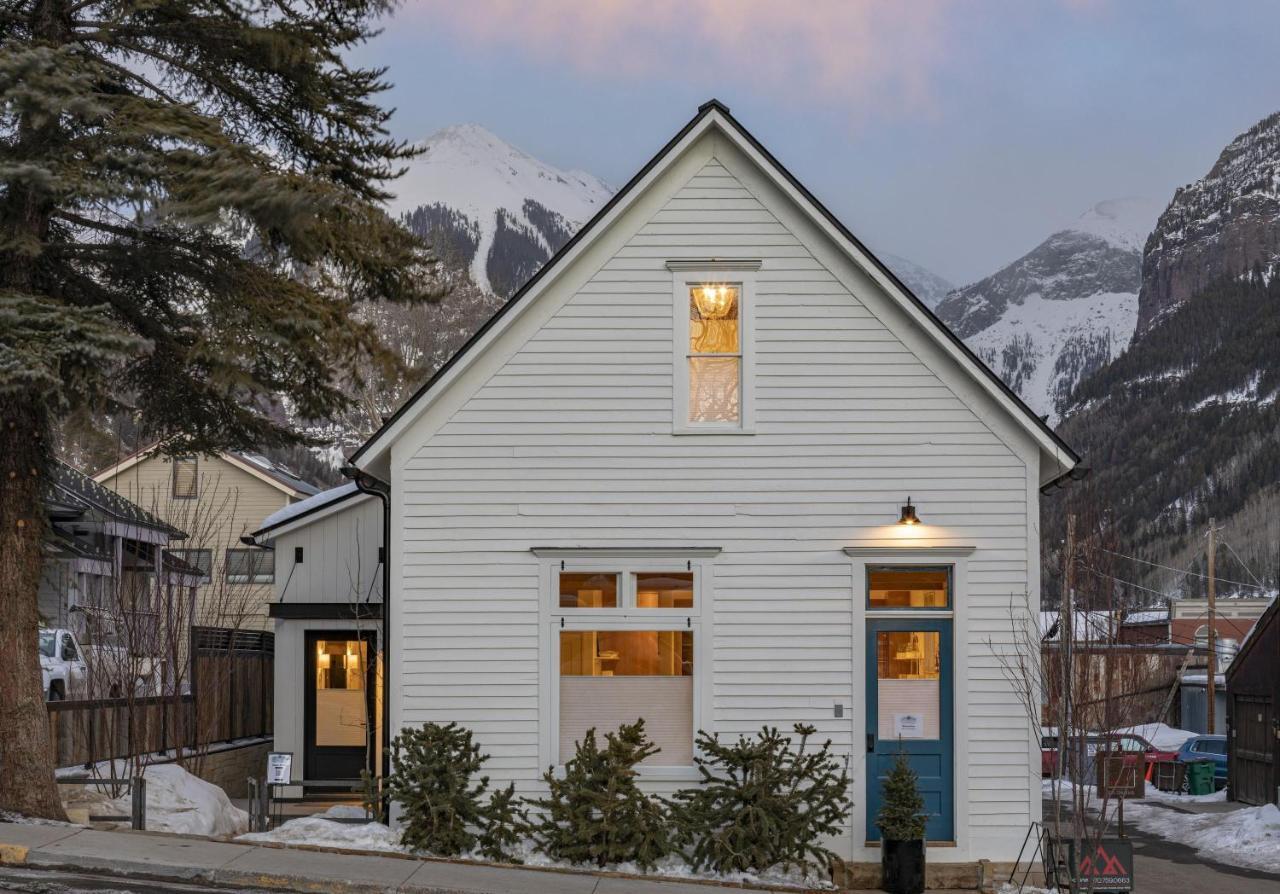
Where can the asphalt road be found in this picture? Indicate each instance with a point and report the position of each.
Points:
(19, 880)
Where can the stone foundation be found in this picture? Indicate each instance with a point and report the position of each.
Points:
(982, 875)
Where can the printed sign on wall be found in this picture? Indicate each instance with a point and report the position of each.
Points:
(279, 768)
(908, 726)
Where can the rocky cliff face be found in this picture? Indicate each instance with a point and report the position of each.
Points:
(1219, 226)
(1063, 309)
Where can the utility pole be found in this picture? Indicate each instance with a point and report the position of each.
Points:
(1211, 689)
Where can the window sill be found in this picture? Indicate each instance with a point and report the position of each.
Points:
(711, 430)
(669, 774)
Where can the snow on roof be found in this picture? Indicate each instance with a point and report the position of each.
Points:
(280, 472)
(293, 510)
(1089, 626)
(1161, 735)
(1150, 616)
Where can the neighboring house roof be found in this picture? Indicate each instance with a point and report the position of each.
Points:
(70, 487)
(255, 464)
(715, 114)
(1270, 616)
(1152, 616)
(306, 509)
(1090, 626)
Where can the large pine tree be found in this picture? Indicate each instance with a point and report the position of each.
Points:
(143, 146)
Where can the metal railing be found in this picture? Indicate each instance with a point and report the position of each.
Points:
(137, 786)
(264, 806)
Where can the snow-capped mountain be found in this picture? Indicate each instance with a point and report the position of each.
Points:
(1063, 309)
(497, 210)
(928, 286)
(1221, 225)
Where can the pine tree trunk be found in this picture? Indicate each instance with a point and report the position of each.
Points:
(26, 783)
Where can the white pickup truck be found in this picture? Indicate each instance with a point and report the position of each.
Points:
(62, 666)
(65, 668)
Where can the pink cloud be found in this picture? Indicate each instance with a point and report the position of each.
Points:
(864, 53)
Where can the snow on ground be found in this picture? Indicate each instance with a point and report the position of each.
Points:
(1155, 794)
(1248, 837)
(177, 801)
(323, 830)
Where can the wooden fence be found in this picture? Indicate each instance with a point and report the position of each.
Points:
(230, 697)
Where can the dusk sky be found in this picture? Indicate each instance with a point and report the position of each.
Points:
(957, 133)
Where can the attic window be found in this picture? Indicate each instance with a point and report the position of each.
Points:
(186, 478)
(713, 351)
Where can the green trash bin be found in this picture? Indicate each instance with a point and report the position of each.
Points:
(1199, 778)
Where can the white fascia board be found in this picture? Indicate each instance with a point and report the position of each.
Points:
(913, 311)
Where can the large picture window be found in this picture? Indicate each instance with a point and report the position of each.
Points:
(624, 637)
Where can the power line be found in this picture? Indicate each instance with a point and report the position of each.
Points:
(1238, 583)
(1242, 563)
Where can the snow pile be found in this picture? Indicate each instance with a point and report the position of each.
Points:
(1155, 794)
(325, 830)
(177, 802)
(1249, 837)
(1161, 735)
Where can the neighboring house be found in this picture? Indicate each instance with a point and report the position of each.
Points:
(1234, 617)
(1253, 721)
(666, 479)
(327, 612)
(217, 499)
(108, 576)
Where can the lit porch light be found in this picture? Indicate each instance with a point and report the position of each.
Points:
(907, 515)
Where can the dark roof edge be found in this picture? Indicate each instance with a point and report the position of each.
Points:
(341, 498)
(712, 105)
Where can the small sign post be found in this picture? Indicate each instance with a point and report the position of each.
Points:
(1106, 868)
(280, 768)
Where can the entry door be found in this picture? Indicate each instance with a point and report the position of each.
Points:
(909, 709)
(339, 693)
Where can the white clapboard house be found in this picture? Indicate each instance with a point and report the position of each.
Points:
(667, 479)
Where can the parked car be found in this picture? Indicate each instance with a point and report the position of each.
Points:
(1207, 748)
(1129, 744)
(65, 667)
(62, 668)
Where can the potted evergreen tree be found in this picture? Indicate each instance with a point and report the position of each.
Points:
(901, 820)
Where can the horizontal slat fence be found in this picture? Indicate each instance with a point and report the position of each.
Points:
(231, 694)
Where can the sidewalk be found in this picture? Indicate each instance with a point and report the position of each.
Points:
(179, 858)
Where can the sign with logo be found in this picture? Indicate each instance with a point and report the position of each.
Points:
(1104, 867)
(279, 768)
(908, 726)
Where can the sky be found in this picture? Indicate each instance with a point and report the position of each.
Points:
(955, 133)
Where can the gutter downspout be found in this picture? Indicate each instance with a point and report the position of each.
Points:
(368, 484)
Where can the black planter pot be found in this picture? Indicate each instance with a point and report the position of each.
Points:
(902, 866)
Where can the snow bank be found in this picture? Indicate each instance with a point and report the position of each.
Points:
(1155, 794)
(323, 830)
(177, 802)
(1249, 837)
(1161, 735)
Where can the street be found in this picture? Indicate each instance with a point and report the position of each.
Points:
(51, 881)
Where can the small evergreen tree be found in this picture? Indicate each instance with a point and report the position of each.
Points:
(597, 814)
(430, 777)
(762, 803)
(503, 826)
(901, 816)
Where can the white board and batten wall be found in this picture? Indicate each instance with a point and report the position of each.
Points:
(558, 432)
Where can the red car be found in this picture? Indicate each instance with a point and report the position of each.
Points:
(1129, 744)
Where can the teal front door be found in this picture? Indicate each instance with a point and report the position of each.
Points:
(909, 709)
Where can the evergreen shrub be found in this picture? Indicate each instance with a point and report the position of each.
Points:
(762, 803)
(596, 813)
(901, 816)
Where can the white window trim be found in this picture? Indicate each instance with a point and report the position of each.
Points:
(741, 274)
(553, 618)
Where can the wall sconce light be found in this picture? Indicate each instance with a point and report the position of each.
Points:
(908, 515)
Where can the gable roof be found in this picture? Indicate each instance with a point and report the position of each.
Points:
(70, 488)
(715, 113)
(295, 515)
(254, 464)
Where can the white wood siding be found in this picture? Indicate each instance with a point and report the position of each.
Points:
(339, 556)
(563, 436)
